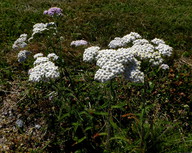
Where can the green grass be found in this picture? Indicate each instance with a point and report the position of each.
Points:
(101, 21)
(150, 117)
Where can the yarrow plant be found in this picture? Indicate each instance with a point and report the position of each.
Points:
(125, 57)
(79, 43)
(44, 69)
(53, 11)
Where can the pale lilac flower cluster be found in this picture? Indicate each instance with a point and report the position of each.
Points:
(127, 60)
(53, 11)
(39, 28)
(79, 43)
(20, 42)
(22, 55)
(44, 69)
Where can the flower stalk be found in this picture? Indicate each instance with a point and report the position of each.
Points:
(110, 116)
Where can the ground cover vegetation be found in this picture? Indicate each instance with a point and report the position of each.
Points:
(62, 95)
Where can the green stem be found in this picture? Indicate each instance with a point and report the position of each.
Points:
(142, 145)
(109, 116)
(68, 76)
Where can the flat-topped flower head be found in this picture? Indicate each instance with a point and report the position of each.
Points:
(140, 42)
(164, 50)
(52, 56)
(53, 11)
(20, 42)
(41, 60)
(104, 56)
(79, 43)
(116, 43)
(44, 72)
(124, 41)
(102, 75)
(40, 28)
(114, 68)
(38, 55)
(90, 53)
(44, 69)
(134, 75)
(157, 41)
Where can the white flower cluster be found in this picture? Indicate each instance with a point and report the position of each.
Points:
(124, 41)
(52, 56)
(41, 60)
(44, 69)
(90, 53)
(79, 43)
(39, 28)
(132, 72)
(145, 51)
(38, 55)
(164, 50)
(22, 55)
(157, 41)
(20, 42)
(111, 62)
(127, 60)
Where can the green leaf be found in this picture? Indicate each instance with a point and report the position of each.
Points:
(76, 125)
(118, 106)
(151, 85)
(81, 140)
(103, 106)
(88, 128)
(100, 113)
(114, 125)
(102, 134)
(120, 138)
(63, 116)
